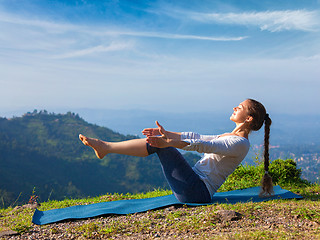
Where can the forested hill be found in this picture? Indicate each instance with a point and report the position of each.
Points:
(41, 152)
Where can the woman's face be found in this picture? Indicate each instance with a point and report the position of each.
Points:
(240, 113)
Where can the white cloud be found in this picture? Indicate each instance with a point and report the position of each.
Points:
(314, 57)
(273, 21)
(52, 27)
(97, 49)
(33, 38)
(176, 36)
(58, 40)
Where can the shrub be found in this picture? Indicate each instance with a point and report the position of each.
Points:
(283, 173)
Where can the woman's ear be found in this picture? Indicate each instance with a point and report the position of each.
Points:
(249, 119)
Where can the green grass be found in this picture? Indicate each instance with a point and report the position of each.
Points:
(276, 219)
(53, 204)
(20, 219)
(199, 222)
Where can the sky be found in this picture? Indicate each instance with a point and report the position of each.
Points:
(170, 56)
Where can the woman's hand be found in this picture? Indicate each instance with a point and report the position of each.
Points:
(154, 131)
(151, 132)
(157, 137)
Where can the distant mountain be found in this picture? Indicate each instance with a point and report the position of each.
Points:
(40, 152)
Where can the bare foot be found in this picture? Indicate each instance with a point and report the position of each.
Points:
(99, 147)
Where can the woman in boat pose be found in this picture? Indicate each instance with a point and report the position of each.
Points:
(223, 153)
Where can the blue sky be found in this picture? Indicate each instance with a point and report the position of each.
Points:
(165, 55)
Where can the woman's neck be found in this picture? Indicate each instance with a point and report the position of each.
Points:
(241, 130)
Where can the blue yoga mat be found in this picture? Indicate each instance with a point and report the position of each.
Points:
(141, 205)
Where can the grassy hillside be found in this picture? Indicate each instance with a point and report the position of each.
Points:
(276, 219)
(41, 152)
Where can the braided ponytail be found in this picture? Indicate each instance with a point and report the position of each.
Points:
(260, 116)
(266, 182)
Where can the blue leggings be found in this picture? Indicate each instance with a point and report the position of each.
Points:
(185, 184)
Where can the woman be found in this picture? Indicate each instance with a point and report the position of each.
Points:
(223, 153)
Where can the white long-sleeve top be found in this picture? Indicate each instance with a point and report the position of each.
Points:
(221, 157)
